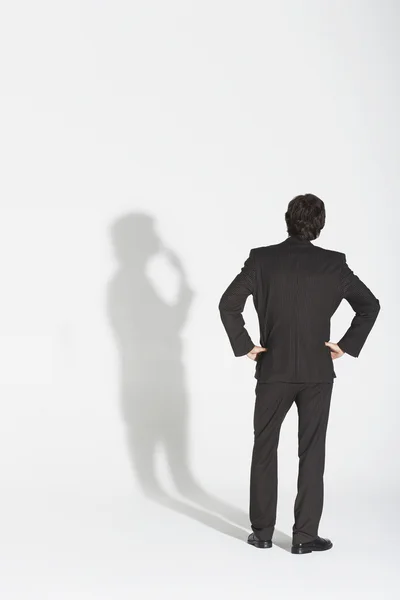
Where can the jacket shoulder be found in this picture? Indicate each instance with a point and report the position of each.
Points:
(261, 250)
(334, 254)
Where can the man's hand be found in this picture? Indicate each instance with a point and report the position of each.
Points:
(253, 354)
(336, 352)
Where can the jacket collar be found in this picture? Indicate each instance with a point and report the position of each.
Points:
(295, 240)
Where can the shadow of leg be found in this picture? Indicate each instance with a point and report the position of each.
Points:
(189, 488)
(282, 540)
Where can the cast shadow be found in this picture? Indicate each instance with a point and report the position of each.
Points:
(153, 392)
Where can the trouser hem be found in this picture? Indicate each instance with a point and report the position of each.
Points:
(303, 538)
(264, 534)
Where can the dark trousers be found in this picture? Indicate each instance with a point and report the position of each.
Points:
(273, 401)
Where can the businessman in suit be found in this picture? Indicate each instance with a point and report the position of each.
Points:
(296, 288)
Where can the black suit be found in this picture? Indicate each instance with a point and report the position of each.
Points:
(296, 288)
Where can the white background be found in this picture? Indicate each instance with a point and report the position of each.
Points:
(139, 142)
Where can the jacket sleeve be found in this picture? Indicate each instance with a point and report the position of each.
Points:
(364, 304)
(232, 304)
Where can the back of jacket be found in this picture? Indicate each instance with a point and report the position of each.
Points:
(296, 288)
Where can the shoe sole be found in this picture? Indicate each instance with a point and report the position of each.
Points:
(309, 550)
(260, 544)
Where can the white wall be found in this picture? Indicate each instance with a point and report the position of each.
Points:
(129, 128)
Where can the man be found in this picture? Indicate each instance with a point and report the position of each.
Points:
(296, 288)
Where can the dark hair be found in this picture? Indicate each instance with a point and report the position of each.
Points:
(305, 216)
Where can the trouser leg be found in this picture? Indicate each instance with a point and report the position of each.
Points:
(313, 403)
(273, 401)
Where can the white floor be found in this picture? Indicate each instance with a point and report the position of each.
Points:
(81, 547)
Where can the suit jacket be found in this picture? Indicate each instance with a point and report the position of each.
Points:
(296, 288)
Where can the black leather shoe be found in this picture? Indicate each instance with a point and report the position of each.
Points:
(255, 541)
(317, 545)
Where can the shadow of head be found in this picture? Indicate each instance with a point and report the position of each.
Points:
(134, 239)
